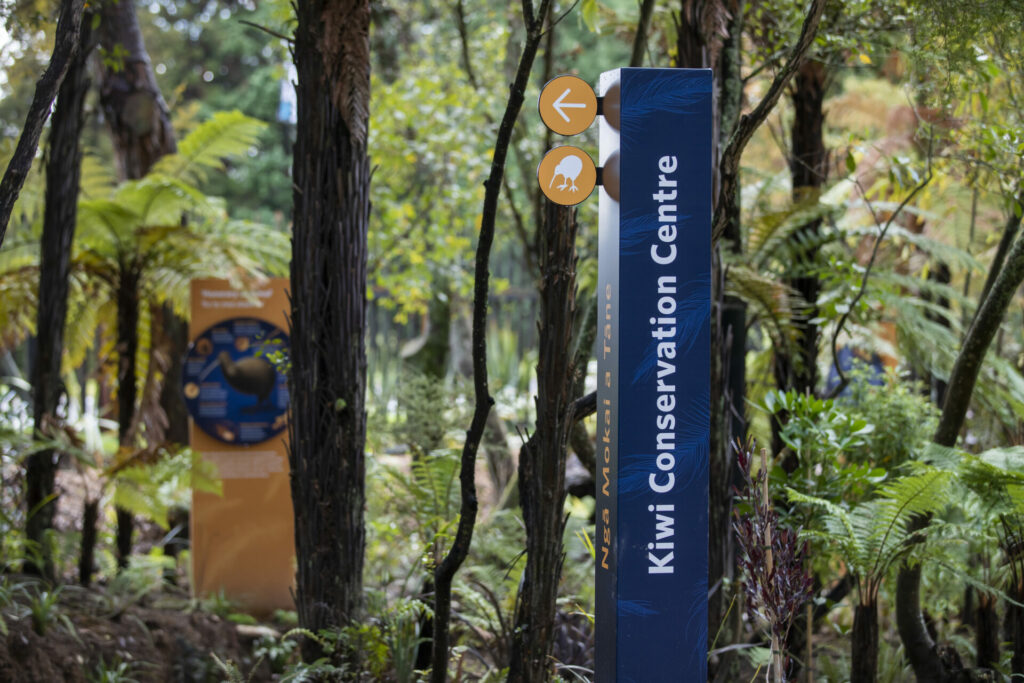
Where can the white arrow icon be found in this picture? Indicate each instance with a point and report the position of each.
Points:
(559, 105)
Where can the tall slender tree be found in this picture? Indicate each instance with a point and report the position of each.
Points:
(444, 574)
(140, 125)
(331, 173)
(542, 459)
(63, 170)
(65, 45)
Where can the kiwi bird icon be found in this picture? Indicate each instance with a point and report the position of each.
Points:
(569, 169)
(252, 375)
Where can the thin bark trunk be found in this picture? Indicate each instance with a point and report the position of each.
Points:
(729, 163)
(542, 461)
(328, 311)
(808, 170)
(640, 37)
(1015, 631)
(141, 132)
(63, 171)
(986, 632)
(1009, 235)
(127, 348)
(918, 644)
(66, 44)
(86, 562)
(444, 574)
(864, 643)
(795, 365)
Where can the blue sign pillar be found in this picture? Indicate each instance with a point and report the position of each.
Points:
(653, 413)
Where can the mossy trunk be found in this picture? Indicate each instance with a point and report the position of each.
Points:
(918, 644)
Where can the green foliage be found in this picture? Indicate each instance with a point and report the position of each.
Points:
(117, 671)
(44, 609)
(823, 438)
(903, 420)
(873, 535)
(166, 480)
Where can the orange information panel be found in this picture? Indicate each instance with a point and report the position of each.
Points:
(243, 541)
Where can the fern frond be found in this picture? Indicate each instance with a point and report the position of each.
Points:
(96, 181)
(767, 297)
(19, 287)
(225, 134)
(770, 231)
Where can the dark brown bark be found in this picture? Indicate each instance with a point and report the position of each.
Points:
(63, 171)
(172, 339)
(864, 643)
(86, 561)
(1009, 235)
(127, 348)
(1015, 630)
(796, 368)
(445, 571)
(917, 642)
(643, 25)
(729, 163)
(327, 381)
(141, 131)
(131, 100)
(542, 460)
(66, 43)
(986, 632)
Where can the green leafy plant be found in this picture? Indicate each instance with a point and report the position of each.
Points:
(44, 610)
(871, 538)
(117, 671)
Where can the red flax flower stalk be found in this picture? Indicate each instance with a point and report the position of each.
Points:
(771, 558)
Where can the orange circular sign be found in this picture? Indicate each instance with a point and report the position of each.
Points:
(567, 175)
(568, 105)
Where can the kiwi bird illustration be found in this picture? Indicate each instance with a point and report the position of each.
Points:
(252, 375)
(569, 169)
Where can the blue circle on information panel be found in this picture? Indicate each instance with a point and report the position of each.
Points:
(233, 390)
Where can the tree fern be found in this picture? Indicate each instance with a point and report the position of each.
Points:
(203, 150)
(874, 534)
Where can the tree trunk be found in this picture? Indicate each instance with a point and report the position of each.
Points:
(63, 170)
(542, 460)
(808, 169)
(864, 643)
(86, 563)
(918, 644)
(986, 632)
(444, 573)
(1014, 626)
(141, 131)
(131, 100)
(127, 348)
(66, 44)
(795, 365)
(327, 381)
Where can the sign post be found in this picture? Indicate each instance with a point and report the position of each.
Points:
(653, 411)
(242, 542)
